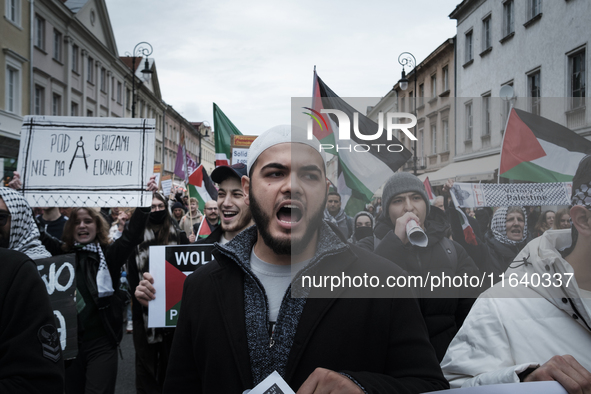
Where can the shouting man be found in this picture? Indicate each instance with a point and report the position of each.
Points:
(242, 317)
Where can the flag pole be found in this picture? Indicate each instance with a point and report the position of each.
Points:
(502, 143)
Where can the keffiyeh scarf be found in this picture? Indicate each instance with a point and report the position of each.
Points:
(499, 227)
(24, 234)
(104, 282)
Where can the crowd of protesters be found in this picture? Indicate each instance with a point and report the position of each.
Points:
(274, 220)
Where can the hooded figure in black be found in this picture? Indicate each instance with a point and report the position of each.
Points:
(444, 310)
(363, 224)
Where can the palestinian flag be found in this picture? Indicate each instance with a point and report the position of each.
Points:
(360, 173)
(535, 149)
(201, 187)
(223, 130)
(428, 189)
(204, 230)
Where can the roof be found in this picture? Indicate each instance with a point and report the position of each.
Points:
(75, 5)
(128, 61)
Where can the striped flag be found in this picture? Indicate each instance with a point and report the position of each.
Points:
(223, 130)
(428, 189)
(360, 173)
(535, 149)
(204, 230)
(201, 186)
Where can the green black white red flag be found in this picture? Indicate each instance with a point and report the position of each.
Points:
(360, 174)
(201, 186)
(223, 131)
(536, 149)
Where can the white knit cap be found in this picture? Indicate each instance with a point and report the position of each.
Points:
(280, 135)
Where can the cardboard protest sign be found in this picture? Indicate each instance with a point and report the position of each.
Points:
(92, 162)
(509, 194)
(240, 145)
(170, 266)
(166, 183)
(59, 275)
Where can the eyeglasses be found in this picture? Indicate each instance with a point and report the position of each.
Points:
(4, 218)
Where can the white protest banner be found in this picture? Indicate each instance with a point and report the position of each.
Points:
(166, 184)
(473, 195)
(93, 162)
(170, 266)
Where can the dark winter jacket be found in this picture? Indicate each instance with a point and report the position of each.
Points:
(444, 311)
(221, 342)
(30, 353)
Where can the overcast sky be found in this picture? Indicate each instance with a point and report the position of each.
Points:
(251, 57)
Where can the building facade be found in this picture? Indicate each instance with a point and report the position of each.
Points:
(433, 97)
(530, 54)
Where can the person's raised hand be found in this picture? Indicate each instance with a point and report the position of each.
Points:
(152, 186)
(145, 291)
(15, 183)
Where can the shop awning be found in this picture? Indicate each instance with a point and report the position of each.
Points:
(473, 170)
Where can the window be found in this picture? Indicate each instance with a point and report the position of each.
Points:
(13, 11)
(39, 100)
(534, 8)
(486, 123)
(433, 139)
(445, 78)
(534, 89)
(469, 54)
(39, 32)
(12, 89)
(577, 79)
(57, 45)
(103, 79)
(402, 104)
(74, 109)
(508, 20)
(128, 99)
(119, 89)
(434, 85)
(89, 113)
(421, 94)
(506, 110)
(56, 105)
(75, 58)
(90, 70)
(445, 124)
(486, 34)
(113, 88)
(469, 122)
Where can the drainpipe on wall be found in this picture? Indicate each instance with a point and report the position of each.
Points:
(31, 45)
(455, 96)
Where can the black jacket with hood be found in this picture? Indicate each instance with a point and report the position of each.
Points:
(443, 311)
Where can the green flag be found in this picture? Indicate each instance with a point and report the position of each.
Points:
(223, 131)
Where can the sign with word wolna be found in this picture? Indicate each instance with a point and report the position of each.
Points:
(59, 275)
(93, 162)
(170, 266)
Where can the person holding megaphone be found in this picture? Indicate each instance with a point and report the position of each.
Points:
(412, 235)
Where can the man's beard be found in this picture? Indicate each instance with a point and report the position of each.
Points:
(284, 246)
(245, 215)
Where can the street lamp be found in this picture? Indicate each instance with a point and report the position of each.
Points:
(141, 49)
(407, 59)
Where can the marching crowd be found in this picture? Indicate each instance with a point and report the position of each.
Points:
(245, 315)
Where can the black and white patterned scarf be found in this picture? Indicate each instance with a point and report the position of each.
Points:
(24, 234)
(104, 282)
(499, 227)
(582, 196)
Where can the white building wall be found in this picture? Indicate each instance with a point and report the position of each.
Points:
(544, 44)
